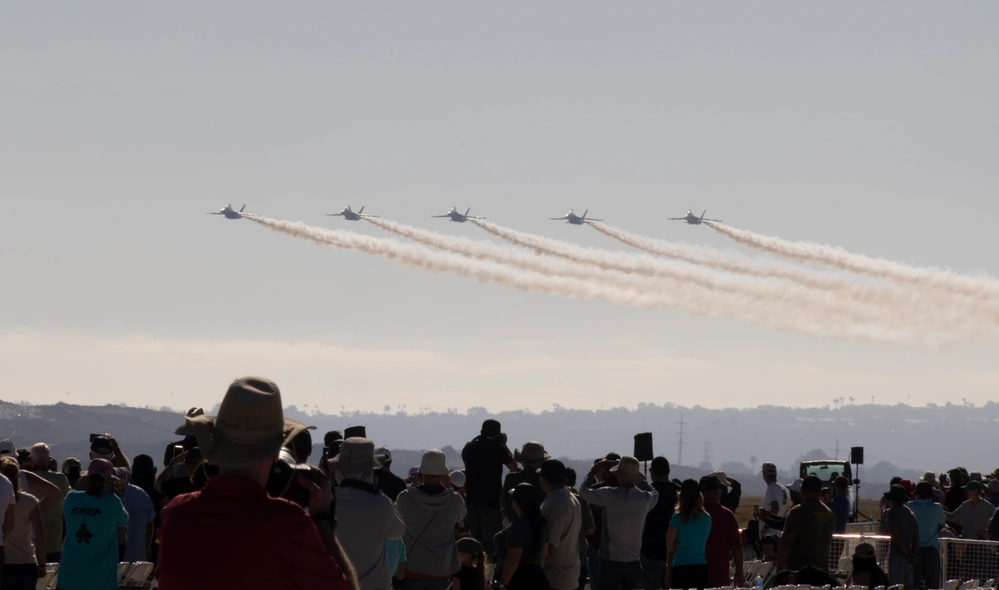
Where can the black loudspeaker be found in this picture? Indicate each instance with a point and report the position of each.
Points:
(643, 447)
(355, 432)
(857, 455)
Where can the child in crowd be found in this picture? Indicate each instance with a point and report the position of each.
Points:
(768, 548)
(472, 575)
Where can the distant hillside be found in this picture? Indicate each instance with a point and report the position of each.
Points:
(897, 439)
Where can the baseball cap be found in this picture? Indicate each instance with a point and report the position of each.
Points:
(385, 452)
(491, 428)
(7, 447)
(457, 479)
(102, 445)
(769, 468)
(795, 485)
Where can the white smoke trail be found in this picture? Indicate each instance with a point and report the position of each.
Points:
(728, 261)
(880, 304)
(687, 298)
(929, 303)
(621, 270)
(941, 280)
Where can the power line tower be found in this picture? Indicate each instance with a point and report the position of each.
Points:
(836, 457)
(707, 451)
(679, 459)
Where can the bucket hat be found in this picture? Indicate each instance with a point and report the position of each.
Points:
(249, 428)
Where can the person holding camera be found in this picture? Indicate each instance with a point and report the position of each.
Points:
(366, 517)
(484, 457)
(231, 533)
(431, 509)
(624, 510)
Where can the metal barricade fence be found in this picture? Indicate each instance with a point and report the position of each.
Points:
(867, 527)
(960, 559)
(843, 546)
(966, 559)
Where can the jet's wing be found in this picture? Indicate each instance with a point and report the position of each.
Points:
(214, 213)
(676, 219)
(335, 215)
(557, 218)
(440, 216)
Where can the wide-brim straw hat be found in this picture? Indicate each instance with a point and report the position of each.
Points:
(249, 428)
(628, 469)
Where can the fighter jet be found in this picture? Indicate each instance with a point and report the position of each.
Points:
(456, 216)
(574, 219)
(229, 212)
(349, 214)
(693, 219)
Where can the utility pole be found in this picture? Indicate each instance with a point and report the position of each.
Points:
(679, 459)
(836, 457)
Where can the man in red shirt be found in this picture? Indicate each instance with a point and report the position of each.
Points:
(724, 537)
(232, 534)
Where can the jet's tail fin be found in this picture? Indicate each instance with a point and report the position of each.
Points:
(467, 211)
(361, 211)
(703, 214)
(244, 208)
(584, 213)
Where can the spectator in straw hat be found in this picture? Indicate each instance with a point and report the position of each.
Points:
(231, 533)
(431, 509)
(366, 518)
(531, 456)
(625, 508)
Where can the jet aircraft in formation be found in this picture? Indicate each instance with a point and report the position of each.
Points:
(574, 219)
(693, 219)
(348, 214)
(229, 212)
(458, 217)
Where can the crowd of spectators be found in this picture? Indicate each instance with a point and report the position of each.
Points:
(237, 505)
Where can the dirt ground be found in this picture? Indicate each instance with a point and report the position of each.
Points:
(745, 512)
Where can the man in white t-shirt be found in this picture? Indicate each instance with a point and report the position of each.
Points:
(774, 500)
(6, 513)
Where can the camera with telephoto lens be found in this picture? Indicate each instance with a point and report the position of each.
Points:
(283, 479)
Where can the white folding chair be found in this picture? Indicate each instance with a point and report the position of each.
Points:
(879, 588)
(952, 584)
(138, 574)
(969, 585)
(50, 576)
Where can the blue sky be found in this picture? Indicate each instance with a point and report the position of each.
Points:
(871, 127)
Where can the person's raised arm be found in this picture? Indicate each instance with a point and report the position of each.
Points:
(787, 539)
(119, 459)
(320, 502)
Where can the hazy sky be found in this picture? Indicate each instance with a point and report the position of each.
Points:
(866, 125)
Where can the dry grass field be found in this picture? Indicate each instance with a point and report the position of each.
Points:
(745, 512)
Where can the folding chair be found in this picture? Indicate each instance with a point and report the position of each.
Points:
(138, 574)
(970, 585)
(50, 577)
